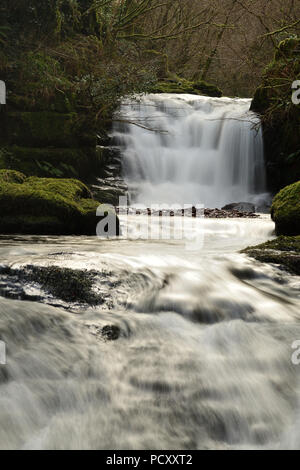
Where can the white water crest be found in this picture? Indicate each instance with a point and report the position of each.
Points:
(188, 149)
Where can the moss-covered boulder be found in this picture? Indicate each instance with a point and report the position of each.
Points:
(286, 210)
(182, 86)
(283, 251)
(46, 206)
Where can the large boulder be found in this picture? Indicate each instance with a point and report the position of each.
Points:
(286, 210)
(46, 206)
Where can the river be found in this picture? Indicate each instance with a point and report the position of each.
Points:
(204, 357)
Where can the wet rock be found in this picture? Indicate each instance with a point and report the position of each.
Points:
(189, 212)
(229, 214)
(286, 210)
(111, 332)
(68, 285)
(283, 251)
(240, 206)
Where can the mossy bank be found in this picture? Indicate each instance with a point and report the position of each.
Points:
(47, 206)
(283, 251)
(181, 86)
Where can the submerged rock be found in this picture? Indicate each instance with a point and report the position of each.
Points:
(111, 332)
(69, 285)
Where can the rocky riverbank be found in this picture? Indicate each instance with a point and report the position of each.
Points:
(189, 212)
(283, 251)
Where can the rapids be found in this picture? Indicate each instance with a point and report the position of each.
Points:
(204, 357)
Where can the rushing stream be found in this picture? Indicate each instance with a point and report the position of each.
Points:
(203, 360)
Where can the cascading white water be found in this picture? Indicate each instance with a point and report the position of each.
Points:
(192, 150)
(204, 356)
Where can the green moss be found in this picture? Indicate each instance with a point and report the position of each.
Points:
(284, 251)
(69, 285)
(46, 206)
(53, 162)
(280, 116)
(59, 103)
(286, 210)
(184, 86)
(41, 129)
(11, 176)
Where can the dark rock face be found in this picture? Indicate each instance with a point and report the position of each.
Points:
(109, 184)
(58, 143)
(280, 117)
(240, 206)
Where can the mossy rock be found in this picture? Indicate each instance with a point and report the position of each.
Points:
(68, 285)
(261, 100)
(207, 89)
(283, 251)
(182, 86)
(11, 176)
(46, 206)
(286, 210)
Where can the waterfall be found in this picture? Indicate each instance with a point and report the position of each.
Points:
(188, 149)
